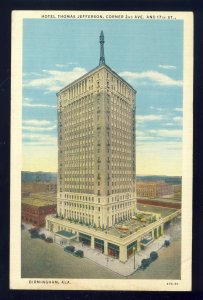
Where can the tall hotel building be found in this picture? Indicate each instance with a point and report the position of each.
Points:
(96, 152)
(96, 148)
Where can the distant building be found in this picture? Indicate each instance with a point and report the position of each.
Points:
(153, 189)
(38, 187)
(177, 187)
(51, 197)
(35, 210)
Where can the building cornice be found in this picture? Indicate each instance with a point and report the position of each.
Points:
(103, 66)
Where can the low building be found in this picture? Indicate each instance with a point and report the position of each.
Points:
(51, 197)
(38, 187)
(152, 189)
(34, 211)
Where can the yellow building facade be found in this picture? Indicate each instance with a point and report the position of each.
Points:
(96, 158)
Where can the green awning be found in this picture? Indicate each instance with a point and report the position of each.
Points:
(113, 247)
(66, 234)
(99, 242)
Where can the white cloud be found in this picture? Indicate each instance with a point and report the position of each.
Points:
(61, 65)
(175, 133)
(140, 133)
(36, 122)
(168, 67)
(179, 109)
(39, 105)
(53, 81)
(144, 138)
(156, 108)
(178, 119)
(27, 102)
(148, 118)
(159, 145)
(39, 139)
(154, 76)
(32, 128)
(65, 65)
(42, 143)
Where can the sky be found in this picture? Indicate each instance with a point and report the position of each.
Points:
(146, 53)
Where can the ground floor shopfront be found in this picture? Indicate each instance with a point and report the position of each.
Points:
(114, 246)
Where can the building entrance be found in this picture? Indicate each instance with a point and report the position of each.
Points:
(130, 249)
(113, 250)
(99, 244)
(85, 239)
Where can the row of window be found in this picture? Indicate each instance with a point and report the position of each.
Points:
(92, 199)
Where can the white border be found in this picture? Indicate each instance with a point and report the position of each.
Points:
(16, 282)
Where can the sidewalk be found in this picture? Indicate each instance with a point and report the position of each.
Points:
(111, 263)
(115, 265)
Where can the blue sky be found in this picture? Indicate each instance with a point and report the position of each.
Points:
(148, 54)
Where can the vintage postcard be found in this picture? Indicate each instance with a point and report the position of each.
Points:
(101, 150)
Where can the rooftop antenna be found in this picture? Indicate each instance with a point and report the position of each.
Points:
(101, 40)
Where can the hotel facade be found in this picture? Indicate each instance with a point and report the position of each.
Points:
(96, 159)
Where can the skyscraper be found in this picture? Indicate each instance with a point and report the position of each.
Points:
(96, 156)
(96, 144)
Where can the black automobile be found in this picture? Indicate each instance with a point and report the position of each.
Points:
(42, 236)
(145, 263)
(166, 243)
(69, 249)
(79, 253)
(153, 255)
(49, 240)
(34, 233)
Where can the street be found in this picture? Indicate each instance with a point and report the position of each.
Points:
(44, 260)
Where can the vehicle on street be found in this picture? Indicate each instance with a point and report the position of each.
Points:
(42, 236)
(166, 243)
(33, 230)
(79, 253)
(69, 249)
(153, 255)
(34, 233)
(49, 240)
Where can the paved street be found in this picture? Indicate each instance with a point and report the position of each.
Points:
(167, 266)
(43, 260)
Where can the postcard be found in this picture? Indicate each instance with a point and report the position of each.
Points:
(101, 150)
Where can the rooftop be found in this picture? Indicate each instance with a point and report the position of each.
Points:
(37, 202)
(161, 182)
(91, 72)
(44, 196)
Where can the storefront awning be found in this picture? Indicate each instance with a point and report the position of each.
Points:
(66, 234)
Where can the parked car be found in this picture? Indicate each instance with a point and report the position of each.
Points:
(79, 253)
(166, 243)
(33, 230)
(69, 249)
(153, 255)
(145, 263)
(49, 240)
(42, 236)
(34, 234)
